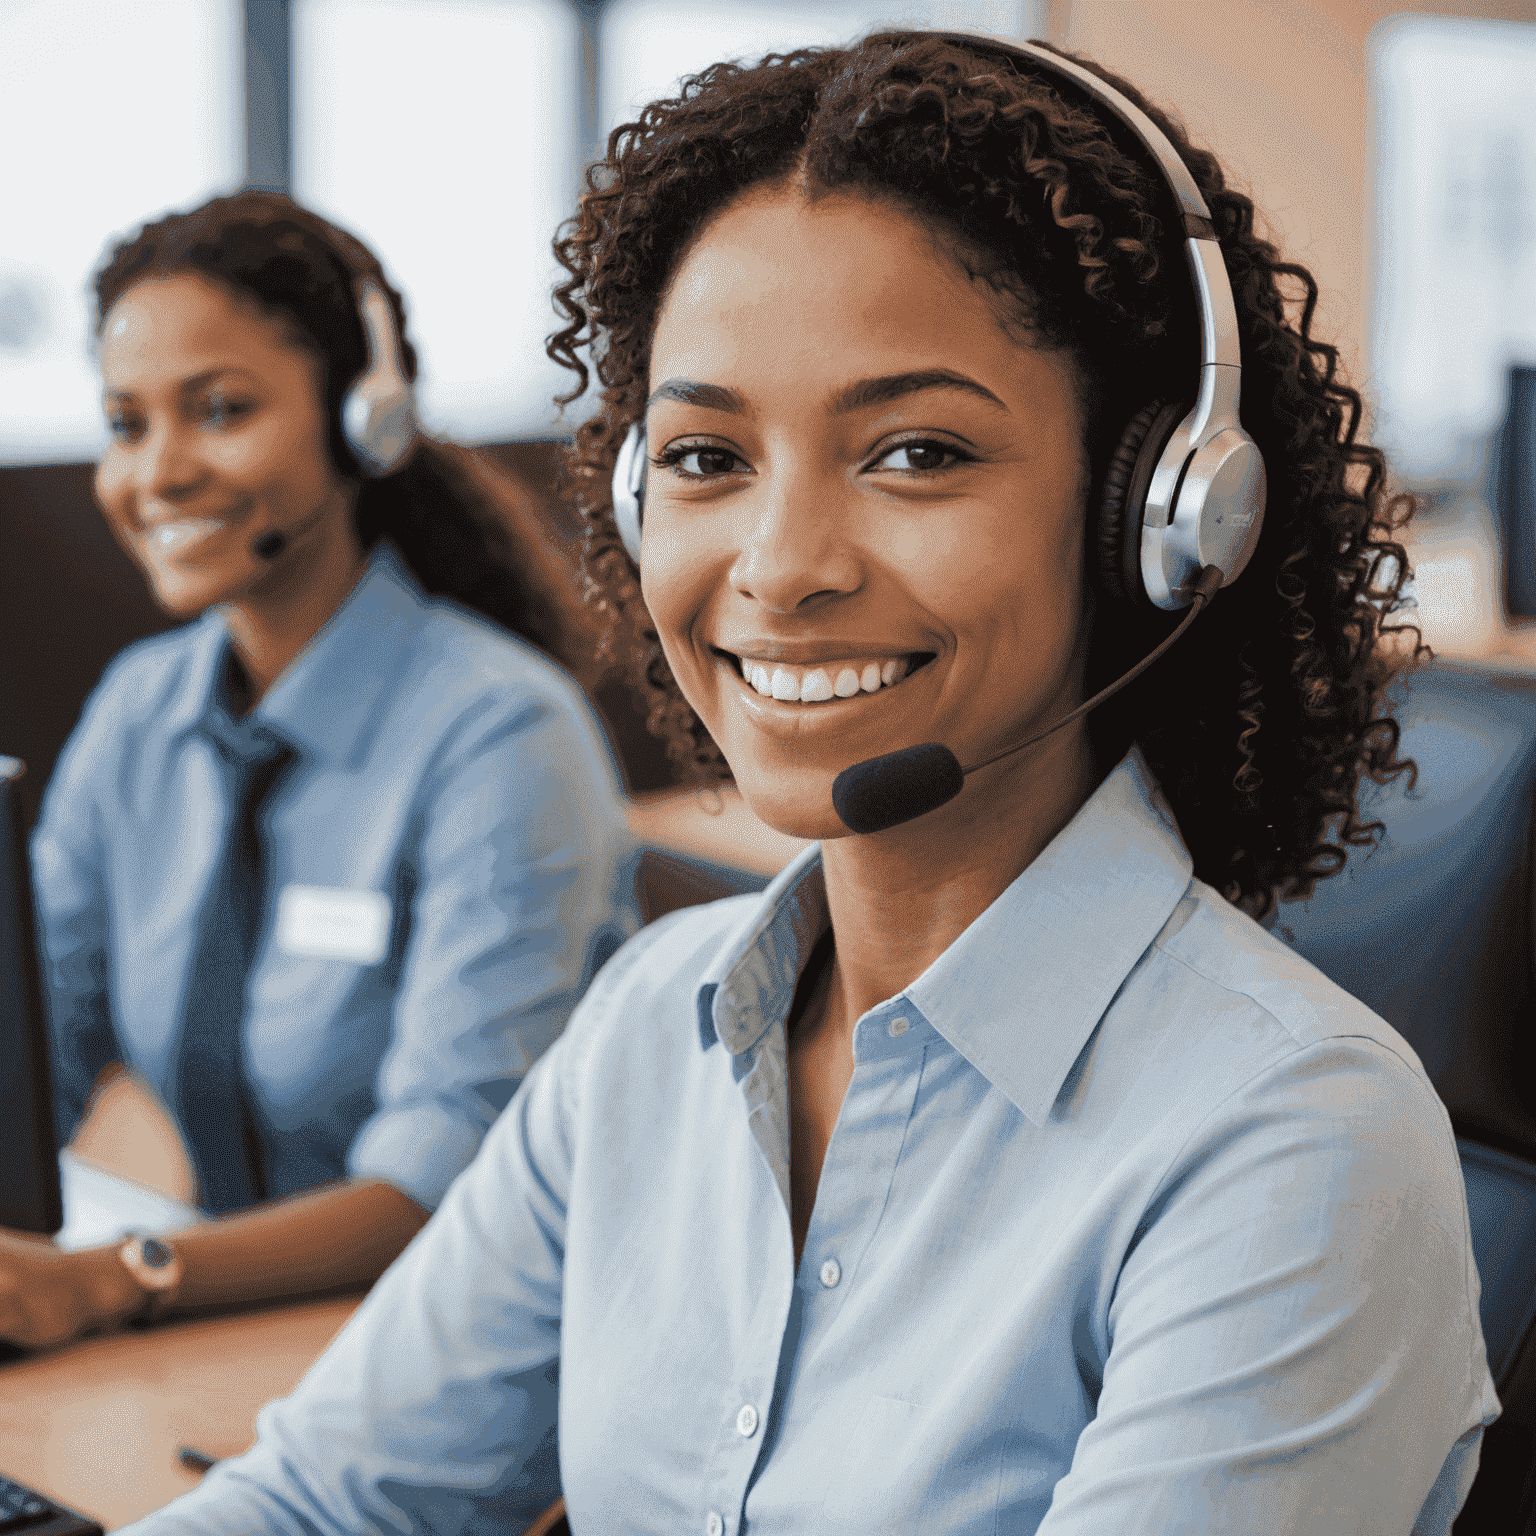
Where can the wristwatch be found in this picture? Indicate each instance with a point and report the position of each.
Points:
(156, 1266)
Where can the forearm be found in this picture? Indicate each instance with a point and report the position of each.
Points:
(339, 1237)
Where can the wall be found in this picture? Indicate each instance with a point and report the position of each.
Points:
(1279, 90)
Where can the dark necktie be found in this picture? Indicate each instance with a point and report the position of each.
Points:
(209, 1091)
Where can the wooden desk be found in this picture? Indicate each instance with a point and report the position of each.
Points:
(97, 1425)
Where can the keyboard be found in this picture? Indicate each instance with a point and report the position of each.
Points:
(30, 1514)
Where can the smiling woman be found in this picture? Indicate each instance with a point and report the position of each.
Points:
(993, 1170)
(330, 864)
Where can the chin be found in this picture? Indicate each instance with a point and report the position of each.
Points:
(796, 803)
(182, 595)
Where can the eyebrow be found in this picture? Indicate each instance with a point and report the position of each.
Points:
(893, 386)
(855, 397)
(712, 397)
(188, 386)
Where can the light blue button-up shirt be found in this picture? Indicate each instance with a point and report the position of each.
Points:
(1131, 1222)
(451, 790)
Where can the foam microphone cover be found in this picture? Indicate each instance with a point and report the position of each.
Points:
(895, 787)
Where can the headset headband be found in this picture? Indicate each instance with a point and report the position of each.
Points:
(1219, 346)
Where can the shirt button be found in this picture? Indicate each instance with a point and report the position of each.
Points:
(831, 1273)
(897, 1027)
(746, 1421)
(714, 1525)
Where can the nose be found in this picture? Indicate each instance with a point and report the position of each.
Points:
(795, 551)
(164, 466)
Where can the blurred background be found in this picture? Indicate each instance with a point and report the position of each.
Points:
(1392, 149)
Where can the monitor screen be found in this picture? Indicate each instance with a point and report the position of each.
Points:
(29, 1166)
(1514, 493)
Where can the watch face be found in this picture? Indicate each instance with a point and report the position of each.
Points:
(154, 1253)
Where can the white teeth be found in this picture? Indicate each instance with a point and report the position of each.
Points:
(815, 687)
(182, 532)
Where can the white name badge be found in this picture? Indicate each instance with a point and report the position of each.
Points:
(318, 922)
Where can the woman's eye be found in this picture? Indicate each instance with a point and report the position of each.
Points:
(221, 412)
(125, 429)
(698, 462)
(920, 457)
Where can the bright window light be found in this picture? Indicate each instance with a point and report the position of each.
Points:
(649, 45)
(444, 137)
(112, 114)
(1455, 234)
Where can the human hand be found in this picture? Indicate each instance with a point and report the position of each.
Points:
(48, 1296)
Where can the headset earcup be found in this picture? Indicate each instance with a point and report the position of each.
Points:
(1123, 501)
(628, 489)
(379, 420)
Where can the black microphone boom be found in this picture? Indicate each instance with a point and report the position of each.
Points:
(272, 543)
(882, 792)
(895, 787)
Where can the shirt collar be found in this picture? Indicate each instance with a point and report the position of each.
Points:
(1021, 990)
(751, 981)
(325, 697)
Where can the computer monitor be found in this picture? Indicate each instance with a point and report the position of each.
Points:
(30, 1195)
(1514, 493)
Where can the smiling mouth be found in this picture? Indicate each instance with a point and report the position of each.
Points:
(182, 532)
(829, 681)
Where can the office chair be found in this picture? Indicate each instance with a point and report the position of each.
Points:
(1433, 931)
(1501, 1201)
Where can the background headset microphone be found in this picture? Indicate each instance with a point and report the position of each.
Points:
(1179, 512)
(379, 420)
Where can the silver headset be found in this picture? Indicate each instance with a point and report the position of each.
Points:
(1200, 502)
(378, 416)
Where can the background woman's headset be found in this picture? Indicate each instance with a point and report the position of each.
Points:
(378, 415)
(1182, 503)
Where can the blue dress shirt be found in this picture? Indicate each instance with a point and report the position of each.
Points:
(1131, 1222)
(449, 861)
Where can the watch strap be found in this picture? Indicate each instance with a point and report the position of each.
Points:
(156, 1268)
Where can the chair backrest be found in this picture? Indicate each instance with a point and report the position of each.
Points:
(1433, 930)
(1501, 1202)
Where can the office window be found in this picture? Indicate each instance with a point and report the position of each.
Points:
(445, 137)
(110, 114)
(649, 45)
(1455, 234)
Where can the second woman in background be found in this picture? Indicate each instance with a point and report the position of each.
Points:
(331, 865)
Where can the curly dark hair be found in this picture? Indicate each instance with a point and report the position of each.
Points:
(1260, 724)
(464, 531)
